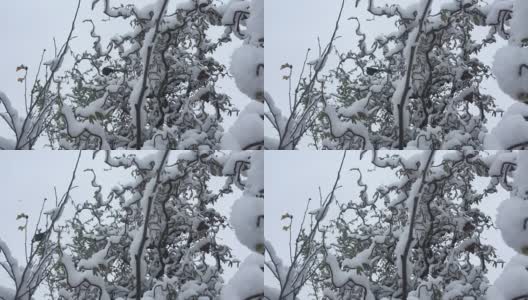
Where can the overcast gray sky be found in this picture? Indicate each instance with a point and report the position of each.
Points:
(293, 26)
(27, 177)
(292, 177)
(29, 26)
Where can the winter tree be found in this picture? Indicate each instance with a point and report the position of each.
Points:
(420, 237)
(417, 87)
(40, 251)
(26, 128)
(156, 86)
(156, 235)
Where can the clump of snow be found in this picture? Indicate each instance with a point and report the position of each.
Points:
(244, 131)
(496, 162)
(318, 63)
(98, 258)
(494, 10)
(320, 213)
(6, 293)
(231, 9)
(511, 284)
(519, 22)
(521, 173)
(247, 67)
(190, 4)
(255, 180)
(55, 63)
(255, 22)
(514, 120)
(247, 281)
(247, 213)
(76, 278)
(510, 66)
(75, 128)
(396, 100)
(341, 278)
(340, 128)
(247, 218)
(14, 271)
(512, 221)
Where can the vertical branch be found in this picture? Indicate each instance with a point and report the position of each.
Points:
(150, 47)
(25, 139)
(24, 286)
(144, 236)
(412, 43)
(412, 220)
(295, 126)
(297, 271)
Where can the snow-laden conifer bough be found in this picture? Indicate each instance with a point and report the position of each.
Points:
(153, 236)
(417, 87)
(154, 87)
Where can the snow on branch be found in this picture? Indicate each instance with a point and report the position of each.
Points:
(411, 89)
(509, 67)
(305, 251)
(417, 237)
(41, 255)
(246, 20)
(154, 87)
(247, 219)
(40, 109)
(157, 236)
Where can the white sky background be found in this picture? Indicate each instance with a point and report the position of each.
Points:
(292, 177)
(293, 26)
(27, 177)
(29, 26)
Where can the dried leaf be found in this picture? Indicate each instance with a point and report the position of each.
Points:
(21, 67)
(286, 216)
(22, 215)
(286, 66)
